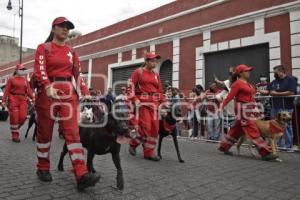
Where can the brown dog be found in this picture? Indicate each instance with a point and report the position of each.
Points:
(270, 130)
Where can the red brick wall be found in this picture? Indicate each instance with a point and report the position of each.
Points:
(232, 33)
(282, 23)
(165, 50)
(188, 62)
(126, 56)
(84, 66)
(140, 53)
(100, 66)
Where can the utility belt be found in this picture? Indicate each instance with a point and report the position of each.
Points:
(18, 94)
(63, 79)
(148, 96)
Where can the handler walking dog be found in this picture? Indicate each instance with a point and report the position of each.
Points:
(270, 130)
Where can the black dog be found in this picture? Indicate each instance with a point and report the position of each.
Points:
(103, 140)
(31, 122)
(167, 126)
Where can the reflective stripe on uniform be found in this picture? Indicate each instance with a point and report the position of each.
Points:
(260, 143)
(151, 139)
(14, 126)
(77, 156)
(43, 145)
(42, 155)
(149, 146)
(74, 146)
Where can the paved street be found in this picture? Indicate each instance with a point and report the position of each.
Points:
(206, 174)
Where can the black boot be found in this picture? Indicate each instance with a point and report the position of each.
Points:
(16, 140)
(87, 180)
(153, 158)
(132, 151)
(226, 152)
(44, 175)
(269, 157)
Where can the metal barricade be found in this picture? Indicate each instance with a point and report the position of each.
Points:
(269, 103)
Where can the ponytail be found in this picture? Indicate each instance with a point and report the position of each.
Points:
(50, 37)
(234, 78)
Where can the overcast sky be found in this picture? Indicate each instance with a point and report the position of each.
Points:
(87, 15)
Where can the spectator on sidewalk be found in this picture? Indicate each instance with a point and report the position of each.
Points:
(199, 112)
(188, 118)
(229, 113)
(264, 101)
(213, 119)
(123, 94)
(296, 117)
(280, 89)
(109, 98)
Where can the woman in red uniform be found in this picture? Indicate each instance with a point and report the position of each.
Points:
(57, 70)
(244, 95)
(16, 92)
(149, 94)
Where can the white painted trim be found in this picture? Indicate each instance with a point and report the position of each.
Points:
(152, 48)
(176, 60)
(120, 57)
(90, 70)
(272, 38)
(259, 26)
(133, 54)
(295, 41)
(295, 15)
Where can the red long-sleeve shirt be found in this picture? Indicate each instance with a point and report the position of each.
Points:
(148, 82)
(17, 85)
(58, 62)
(242, 92)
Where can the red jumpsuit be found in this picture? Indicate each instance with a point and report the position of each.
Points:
(16, 91)
(243, 93)
(149, 91)
(60, 64)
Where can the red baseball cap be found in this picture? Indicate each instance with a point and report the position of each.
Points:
(150, 56)
(20, 67)
(243, 68)
(61, 20)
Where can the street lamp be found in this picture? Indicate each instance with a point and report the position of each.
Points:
(9, 7)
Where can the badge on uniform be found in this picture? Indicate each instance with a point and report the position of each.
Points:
(70, 57)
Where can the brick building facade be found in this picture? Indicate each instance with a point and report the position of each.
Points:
(197, 38)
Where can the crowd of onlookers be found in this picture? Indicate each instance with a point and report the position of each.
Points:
(202, 118)
(274, 97)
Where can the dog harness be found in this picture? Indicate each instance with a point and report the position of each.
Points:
(168, 127)
(275, 128)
